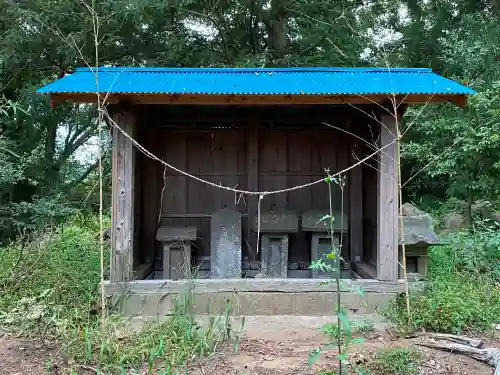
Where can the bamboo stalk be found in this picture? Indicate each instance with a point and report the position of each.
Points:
(401, 220)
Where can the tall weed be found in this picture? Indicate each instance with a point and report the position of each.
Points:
(56, 273)
(49, 289)
(473, 253)
(462, 293)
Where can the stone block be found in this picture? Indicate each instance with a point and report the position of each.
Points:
(314, 221)
(277, 222)
(170, 234)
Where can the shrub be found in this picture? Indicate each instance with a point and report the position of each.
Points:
(364, 326)
(59, 269)
(462, 293)
(476, 253)
(49, 289)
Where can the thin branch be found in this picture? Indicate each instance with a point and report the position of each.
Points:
(435, 158)
(217, 26)
(372, 146)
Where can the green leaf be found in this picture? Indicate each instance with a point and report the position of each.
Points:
(345, 322)
(313, 357)
(341, 357)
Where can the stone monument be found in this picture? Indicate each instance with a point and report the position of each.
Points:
(318, 223)
(176, 251)
(225, 250)
(275, 228)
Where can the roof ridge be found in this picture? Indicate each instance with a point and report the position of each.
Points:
(257, 70)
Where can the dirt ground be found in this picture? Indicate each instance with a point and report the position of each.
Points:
(280, 346)
(269, 346)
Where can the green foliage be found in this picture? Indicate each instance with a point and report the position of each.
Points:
(364, 326)
(49, 290)
(472, 253)
(42, 41)
(339, 334)
(465, 142)
(168, 345)
(462, 293)
(28, 217)
(51, 277)
(396, 361)
(332, 331)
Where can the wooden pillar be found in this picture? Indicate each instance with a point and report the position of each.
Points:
(252, 183)
(122, 247)
(387, 203)
(356, 203)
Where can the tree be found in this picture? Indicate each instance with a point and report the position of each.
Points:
(467, 144)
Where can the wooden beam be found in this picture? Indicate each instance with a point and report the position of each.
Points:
(122, 255)
(206, 99)
(356, 202)
(387, 203)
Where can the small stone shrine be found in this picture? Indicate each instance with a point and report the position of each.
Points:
(275, 228)
(317, 222)
(225, 249)
(176, 251)
(418, 236)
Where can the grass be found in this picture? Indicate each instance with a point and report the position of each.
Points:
(395, 361)
(49, 289)
(460, 295)
(51, 280)
(364, 326)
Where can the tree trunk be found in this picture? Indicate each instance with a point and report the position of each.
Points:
(50, 168)
(277, 31)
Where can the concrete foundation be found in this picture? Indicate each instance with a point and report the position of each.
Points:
(154, 298)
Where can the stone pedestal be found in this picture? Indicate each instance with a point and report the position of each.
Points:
(275, 228)
(318, 224)
(176, 251)
(225, 251)
(421, 254)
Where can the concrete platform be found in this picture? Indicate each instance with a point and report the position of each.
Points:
(251, 297)
(279, 327)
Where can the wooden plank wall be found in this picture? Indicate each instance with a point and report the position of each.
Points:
(215, 155)
(250, 152)
(285, 159)
(296, 157)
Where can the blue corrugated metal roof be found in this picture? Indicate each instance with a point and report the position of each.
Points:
(263, 81)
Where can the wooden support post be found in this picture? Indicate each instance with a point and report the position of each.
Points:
(356, 203)
(387, 203)
(252, 183)
(122, 253)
